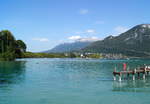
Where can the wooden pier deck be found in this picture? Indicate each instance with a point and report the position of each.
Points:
(143, 70)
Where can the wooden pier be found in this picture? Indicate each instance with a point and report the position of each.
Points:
(138, 71)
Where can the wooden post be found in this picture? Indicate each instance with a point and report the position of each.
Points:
(114, 74)
(138, 75)
(128, 75)
(144, 73)
(135, 70)
(120, 77)
(114, 77)
(133, 77)
(133, 74)
(147, 72)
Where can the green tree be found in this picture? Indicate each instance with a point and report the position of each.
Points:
(7, 41)
(21, 45)
(20, 48)
(9, 47)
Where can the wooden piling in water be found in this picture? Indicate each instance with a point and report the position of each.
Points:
(120, 77)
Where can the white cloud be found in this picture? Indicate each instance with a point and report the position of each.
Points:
(41, 39)
(83, 11)
(84, 36)
(83, 39)
(120, 29)
(74, 37)
(91, 39)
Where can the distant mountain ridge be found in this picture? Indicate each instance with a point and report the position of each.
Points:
(134, 42)
(68, 47)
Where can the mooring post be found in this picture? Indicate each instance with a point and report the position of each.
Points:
(120, 77)
(138, 75)
(144, 73)
(133, 77)
(145, 70)
(114, 73)
(133, 74)
(128, 75)
(114, 77)
(135, 70)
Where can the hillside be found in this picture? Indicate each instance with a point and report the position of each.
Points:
(134, 42)
(68, 47)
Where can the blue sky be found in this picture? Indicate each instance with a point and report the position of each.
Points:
(42, 24)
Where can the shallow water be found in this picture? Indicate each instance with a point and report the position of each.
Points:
(70, 81)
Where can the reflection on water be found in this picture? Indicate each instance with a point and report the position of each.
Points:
(139, 85)
(12, 72)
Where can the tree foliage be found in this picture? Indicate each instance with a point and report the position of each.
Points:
(21, 45)
(10, 48)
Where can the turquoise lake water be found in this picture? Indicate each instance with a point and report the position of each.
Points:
(70, 81)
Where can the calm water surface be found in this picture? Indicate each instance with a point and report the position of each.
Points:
(70, 81)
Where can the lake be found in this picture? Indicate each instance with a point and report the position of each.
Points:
(70, 81)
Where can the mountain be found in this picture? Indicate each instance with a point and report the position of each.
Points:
(134, 42)
(68, 47)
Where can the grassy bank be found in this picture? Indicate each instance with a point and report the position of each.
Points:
(58, 55)
(42, 55)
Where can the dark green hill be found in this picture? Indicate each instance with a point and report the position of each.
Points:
(134, 42)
